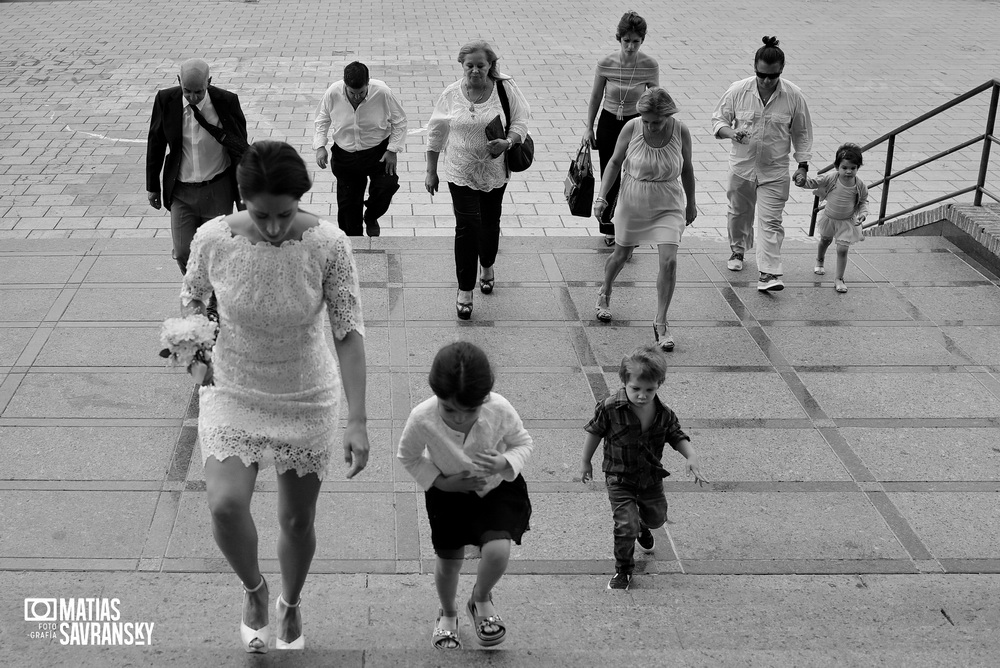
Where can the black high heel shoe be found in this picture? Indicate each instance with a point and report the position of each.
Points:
(486, 284)
(463, 309)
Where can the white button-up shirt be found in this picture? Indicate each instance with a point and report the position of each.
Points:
(773, 129)
(378, 116)
(429, 447)
(202, 157)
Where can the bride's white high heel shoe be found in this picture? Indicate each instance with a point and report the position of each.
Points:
(254, 640)
(298, 643)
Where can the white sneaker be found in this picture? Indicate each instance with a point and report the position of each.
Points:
(735, 262)
(769, 283)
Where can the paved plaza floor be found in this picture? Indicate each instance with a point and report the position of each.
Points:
(852, 440)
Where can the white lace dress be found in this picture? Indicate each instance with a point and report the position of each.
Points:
(277, 385)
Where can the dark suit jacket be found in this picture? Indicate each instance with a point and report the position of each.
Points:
(165, 132)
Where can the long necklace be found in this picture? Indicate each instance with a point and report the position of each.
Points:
(468, 94)
(623, 93)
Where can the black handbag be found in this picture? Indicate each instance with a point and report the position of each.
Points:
(579, 189)
(519, 156)
(231, 140)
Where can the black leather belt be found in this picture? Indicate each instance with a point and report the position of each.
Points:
(202, 184)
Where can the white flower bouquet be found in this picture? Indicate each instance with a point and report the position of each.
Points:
(188, 342)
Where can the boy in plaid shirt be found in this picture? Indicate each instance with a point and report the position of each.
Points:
(634, 425)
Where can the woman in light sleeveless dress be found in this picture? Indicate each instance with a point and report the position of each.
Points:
(656, 201)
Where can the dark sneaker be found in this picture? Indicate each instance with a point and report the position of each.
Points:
(620, 580)
(646, 540)
(769, 283)
(735, 262)
(374, 230)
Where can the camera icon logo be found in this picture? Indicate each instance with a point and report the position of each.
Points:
(40, 610)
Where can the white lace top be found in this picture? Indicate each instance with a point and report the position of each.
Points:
(277, 385)
(457, 128)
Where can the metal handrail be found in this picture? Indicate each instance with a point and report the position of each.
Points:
(979, 188)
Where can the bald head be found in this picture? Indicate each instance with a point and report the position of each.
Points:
(194, 79)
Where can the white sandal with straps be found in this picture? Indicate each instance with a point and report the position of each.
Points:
(298, 643)
(254, 640)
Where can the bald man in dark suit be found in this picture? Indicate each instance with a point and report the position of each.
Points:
(199, 179)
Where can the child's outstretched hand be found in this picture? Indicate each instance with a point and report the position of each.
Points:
(695, 469)
(586, 473)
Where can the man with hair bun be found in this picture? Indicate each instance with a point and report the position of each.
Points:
(367, 125)
(763, 116)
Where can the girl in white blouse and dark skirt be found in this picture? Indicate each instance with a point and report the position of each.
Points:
(465, 447)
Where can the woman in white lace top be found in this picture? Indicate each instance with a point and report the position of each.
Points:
(276, 271)
(474, 167)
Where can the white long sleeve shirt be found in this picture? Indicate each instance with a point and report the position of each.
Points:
(458, 129)
(202, 156)
(379, 115)
(773, 129)
(429, 447)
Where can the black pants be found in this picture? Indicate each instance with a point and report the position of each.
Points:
(477, 230)
(608, 129)
(353, 172)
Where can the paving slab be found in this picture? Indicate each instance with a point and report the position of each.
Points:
(105, 453)
(940, 454)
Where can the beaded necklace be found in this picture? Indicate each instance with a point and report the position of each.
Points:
(623, 93)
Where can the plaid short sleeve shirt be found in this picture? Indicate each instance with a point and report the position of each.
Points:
(628, 452)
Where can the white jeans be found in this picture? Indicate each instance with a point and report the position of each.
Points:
(769, 199)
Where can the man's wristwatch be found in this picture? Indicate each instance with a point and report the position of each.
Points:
(804, 165)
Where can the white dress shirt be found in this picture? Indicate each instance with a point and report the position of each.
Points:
(429, 447)
(202, 157)
(378, 116)
(774, 127)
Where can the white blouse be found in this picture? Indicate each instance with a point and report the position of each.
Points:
(429, 447)
(457, 128)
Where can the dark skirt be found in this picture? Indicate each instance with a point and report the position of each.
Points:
(465, 518)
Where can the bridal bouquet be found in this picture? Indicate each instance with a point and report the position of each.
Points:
(188, 342)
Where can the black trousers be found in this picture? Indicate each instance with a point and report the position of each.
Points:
(608, 129)
(477, 230)
(354, 172)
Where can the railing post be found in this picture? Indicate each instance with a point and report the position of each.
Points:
(887, 175)
(984, 162)
(812, 218)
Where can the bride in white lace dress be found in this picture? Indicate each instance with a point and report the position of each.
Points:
(276, 272)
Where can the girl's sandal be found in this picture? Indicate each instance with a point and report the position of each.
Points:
(840, 286)
(445, 639)
(479, 623)
(819, 270)
(603, 311)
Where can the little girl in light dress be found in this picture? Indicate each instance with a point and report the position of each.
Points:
(846, 209)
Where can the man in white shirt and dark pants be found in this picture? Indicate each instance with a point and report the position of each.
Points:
(764, 116)
(367, 125)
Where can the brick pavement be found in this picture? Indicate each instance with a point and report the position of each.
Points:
(77, 81)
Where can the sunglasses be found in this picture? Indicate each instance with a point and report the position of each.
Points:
(774, 75)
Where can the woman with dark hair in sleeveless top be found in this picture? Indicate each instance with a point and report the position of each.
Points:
(619, 81)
